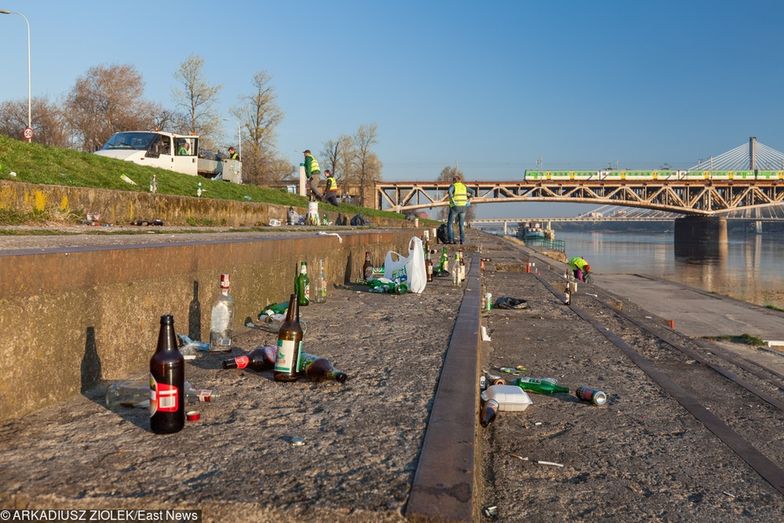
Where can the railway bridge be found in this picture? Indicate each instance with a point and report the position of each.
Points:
(749, 176)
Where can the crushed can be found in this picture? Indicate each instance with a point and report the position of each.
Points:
(594, 395)
(482, 382)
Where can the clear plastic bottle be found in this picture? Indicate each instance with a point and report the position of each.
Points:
(321, 283)
(220, 320)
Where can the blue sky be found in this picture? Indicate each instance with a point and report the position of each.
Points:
(490, 86)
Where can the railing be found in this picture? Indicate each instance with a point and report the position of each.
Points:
(550, 245)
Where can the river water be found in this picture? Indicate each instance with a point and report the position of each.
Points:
(750, 268)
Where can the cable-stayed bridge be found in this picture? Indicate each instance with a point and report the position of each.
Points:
(746, 177)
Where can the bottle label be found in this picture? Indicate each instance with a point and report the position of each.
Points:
(284, 362)
(242, 361)
(307, 291)
(163, 397)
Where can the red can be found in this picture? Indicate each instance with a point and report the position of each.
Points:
(595, 396)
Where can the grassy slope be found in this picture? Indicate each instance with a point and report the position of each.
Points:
(34, 163)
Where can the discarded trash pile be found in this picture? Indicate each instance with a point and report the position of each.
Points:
(166, 392)
(412, 273)
(509, 390)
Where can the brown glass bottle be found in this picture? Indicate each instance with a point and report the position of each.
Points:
(289, 344)
(259, 359)
(429, 268)
(367, 268)
(167, 382)
(317, 369)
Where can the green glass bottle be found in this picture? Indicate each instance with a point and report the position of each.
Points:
(540, 385)
(444, 261)
(302, 285)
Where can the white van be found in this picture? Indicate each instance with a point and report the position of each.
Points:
(175, 152)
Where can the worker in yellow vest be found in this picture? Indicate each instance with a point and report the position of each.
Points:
(331, 194)
(312, 173)
(459, 196)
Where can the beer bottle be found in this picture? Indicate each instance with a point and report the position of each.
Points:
(367, 268)
(220, 319)
(259, 359)
(540, 385)
(289, 344)
(318, 369)
(444, 261)
(167, 382)
(194, 314)
(302, 285)
(429, 267)
(489, 410)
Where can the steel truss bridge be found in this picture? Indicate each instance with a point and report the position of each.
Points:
(609, 213)
(708, 197)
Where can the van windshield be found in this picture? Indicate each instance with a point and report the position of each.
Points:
(139, 141)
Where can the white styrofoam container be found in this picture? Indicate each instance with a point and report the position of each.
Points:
(509, 397)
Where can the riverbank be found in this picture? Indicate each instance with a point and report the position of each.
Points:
(561, 459)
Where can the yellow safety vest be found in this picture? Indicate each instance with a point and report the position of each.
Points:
(460, 195)
(314, 166)
(332, 184)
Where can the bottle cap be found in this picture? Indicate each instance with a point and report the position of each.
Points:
(224, 281)
(193, 415)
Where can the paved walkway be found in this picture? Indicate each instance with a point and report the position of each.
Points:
(696, 313)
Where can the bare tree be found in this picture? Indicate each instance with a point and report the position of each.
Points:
(48, 121)
(107, 99)
(196, 99)
(368, 166)
(259, 115)
(339, 156)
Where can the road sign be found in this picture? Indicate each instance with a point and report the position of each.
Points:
(28, 133)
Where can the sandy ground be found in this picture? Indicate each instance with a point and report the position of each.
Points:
(362, 438)
(642, 457)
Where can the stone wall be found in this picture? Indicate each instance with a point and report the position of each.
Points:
(74, 316)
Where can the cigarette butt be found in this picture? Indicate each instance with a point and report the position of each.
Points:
(552, 464)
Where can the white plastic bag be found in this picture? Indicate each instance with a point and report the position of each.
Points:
(395, 269)
(411, 269)
(415, 266)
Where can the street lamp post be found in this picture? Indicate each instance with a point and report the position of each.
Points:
(29, 76)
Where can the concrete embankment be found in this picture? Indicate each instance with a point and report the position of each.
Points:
(74, 314)
(362, 439)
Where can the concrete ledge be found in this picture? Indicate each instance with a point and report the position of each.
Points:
(123, 207)
(74, 316)
(444, 485)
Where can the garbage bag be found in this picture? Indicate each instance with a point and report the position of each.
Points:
(507, 302)
(359, 220)
(441, 233)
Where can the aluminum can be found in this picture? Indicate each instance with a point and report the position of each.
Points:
(594, 395)
(488, 301)
(482, 382)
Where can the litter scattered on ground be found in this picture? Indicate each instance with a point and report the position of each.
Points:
(127, 180)
(507, 302)
(294, 441)
(322, 233)
(485, 336)
(549, 463)
(490, 511)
